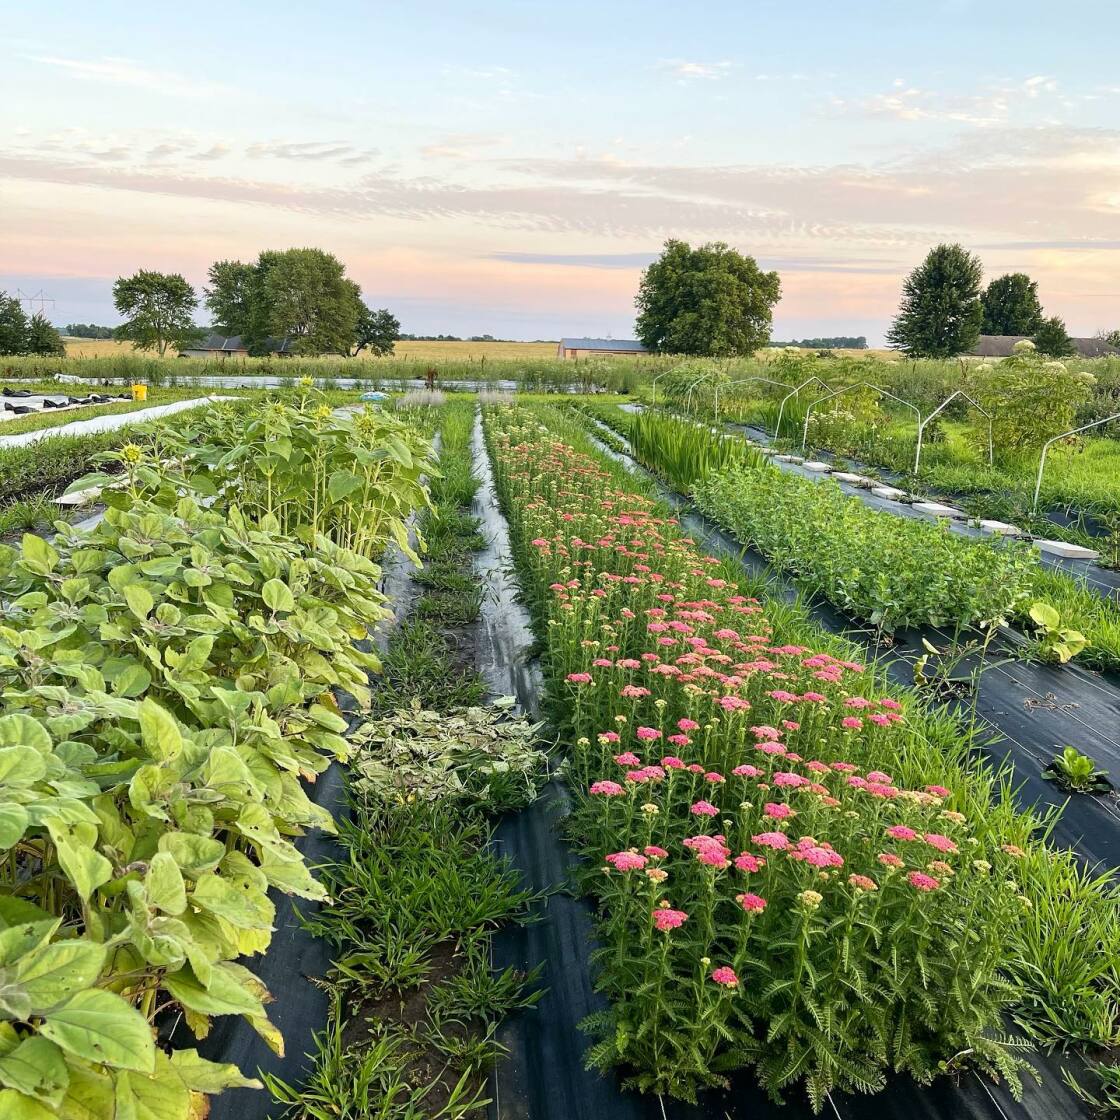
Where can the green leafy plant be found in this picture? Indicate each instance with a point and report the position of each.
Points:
(486, 756)
(1077, 772)
(1056, 642)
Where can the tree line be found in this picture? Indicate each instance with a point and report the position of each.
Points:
(713, 301)
(298, 300)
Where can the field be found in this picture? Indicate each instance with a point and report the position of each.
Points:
(321, 681)
(426, 351)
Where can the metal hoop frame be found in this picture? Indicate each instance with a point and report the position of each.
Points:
(979, 408)
(1049, 443)
(848, 389)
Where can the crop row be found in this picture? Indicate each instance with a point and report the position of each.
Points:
(890, 571)
(168, 688)
(798, 868)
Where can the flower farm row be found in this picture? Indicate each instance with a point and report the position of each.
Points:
(892, 572)
(798, 867)
(169, 680)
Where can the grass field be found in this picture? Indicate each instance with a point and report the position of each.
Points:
(422, 351)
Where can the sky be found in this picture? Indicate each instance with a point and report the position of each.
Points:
(510, 167)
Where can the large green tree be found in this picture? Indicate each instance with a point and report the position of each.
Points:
(302, 296)
(230, 296)
(13, 326)
(43, 338)
(1053, 340)
(711, 301)
(1011, 305)
(158, 309)
(377, 331)
(940, 313)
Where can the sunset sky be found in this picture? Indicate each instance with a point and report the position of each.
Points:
(508, 168)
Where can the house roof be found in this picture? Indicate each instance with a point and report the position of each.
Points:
(606, 344)
(233, 344)
(1002, 345)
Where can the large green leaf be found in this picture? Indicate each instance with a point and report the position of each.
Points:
(21, 730)
(85, 867)
(21, 766)
(38, 556)
(204, 1076)
(102, 1028)
(14, 1105)
(13, 823)
(53, 973)
(164, 884)
(278, 596)
(161, 1096)
(37, 1068)
(160, 731)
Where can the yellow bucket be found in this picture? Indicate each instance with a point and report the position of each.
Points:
(139, 392)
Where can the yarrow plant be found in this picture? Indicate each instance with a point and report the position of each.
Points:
(769, 894)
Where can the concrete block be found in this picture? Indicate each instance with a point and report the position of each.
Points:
(820, 468)
(937, 509)
(891, 493)
(999, 528)
(1064, 549)
(853, 479)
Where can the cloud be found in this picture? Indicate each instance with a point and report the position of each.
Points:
(126, 72)
(314, 151)
(687, 71)
(999, 186)
(215, 151)
(992, 106)
(462, 145)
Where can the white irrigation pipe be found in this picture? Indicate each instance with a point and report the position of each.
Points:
(782, 407)
(1065, 435)
(848, 389)
(922, 426)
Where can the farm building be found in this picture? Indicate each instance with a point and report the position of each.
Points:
(1000, 346)
(598, 347)
(219, 346)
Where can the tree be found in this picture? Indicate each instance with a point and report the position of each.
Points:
(377, 331)
(1052, 339)
(44, 339)
(157, 308)
(87, 330)
(1011, 305)
(302, 296)
(13, 326)
(711, 301)
(940, 313)
(230, 295)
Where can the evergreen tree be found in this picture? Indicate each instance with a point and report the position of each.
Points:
(1052, 339)
(940, 313)
(13, 326)
(1011, 305)
(44, 339)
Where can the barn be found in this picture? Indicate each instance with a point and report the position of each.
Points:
(598, 348)
(220, 346)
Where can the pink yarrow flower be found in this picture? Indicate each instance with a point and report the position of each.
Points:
(704, 809)
(901, 832)
(648, 733)
(725, 976)
(923, 882)
(665, 918)
(752, 903)
(607, 789)
(626, 861)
